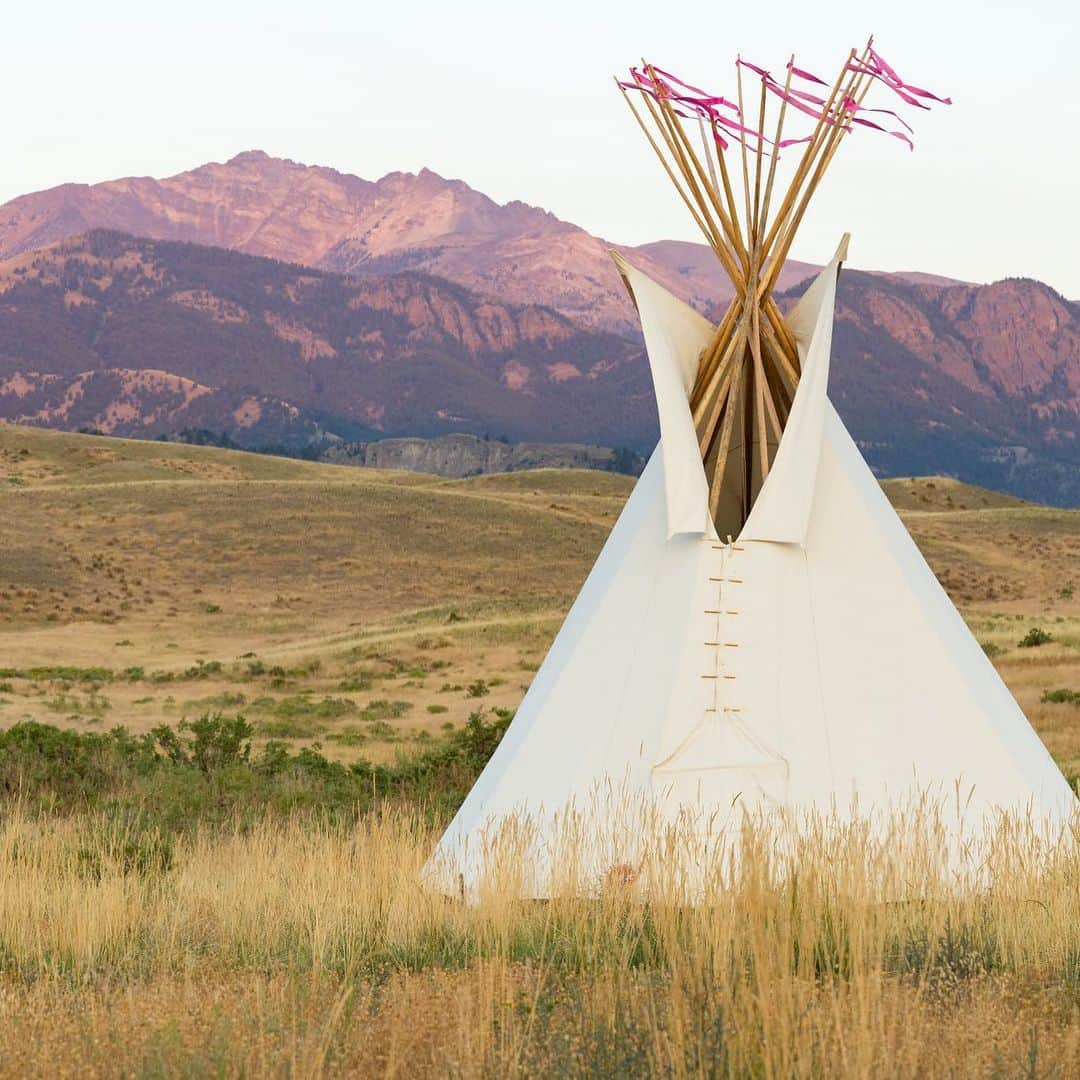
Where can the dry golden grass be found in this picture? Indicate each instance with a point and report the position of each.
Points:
(483, 1023)
(292, 949)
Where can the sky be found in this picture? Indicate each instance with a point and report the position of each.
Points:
(517, 100)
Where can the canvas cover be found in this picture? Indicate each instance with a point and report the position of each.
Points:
(814, 663)
(675, 335)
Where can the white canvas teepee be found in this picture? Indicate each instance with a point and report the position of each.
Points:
(759, 634)
(811, 663)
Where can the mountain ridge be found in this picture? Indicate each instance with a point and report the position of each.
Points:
(96, 331)
(134, 336)
(321, 217)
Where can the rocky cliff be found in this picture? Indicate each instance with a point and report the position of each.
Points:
(469, 455)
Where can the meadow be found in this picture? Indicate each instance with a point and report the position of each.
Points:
(309, 665)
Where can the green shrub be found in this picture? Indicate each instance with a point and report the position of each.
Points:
(227, 699)
(295, 727)
(1061, 697)
(357, 683)
(350, 735)
(211, 742)
(1034, 637)
(203, 669)
(304, 706)
(59, 674)
(92, 704)
(206, 772)
(386, 710)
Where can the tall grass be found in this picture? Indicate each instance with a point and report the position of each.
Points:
(299, 947)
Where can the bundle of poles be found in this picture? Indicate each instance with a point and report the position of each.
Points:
(748, 373)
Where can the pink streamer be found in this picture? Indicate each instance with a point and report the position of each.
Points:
(800, 73)
(897, 82)
(858, 68)
(795, 98)
(662, 85)
(802, 100)
(704, 94)
(886, 131)
(740, 62)
(703, 107)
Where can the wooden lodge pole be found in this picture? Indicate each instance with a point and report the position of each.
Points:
(686, 155)
(809, 154)
(856, 91)
(717, 485)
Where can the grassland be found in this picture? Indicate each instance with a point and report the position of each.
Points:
(144, 582)
(362, 614)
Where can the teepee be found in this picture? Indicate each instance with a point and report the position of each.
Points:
(759, 632)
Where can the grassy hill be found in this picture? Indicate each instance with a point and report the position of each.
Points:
(146, 582)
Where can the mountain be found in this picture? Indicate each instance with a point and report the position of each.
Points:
(322, 218)
(459, 314)
(981, 382)
(140, 337)
(150, 338)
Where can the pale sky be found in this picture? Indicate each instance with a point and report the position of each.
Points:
(517, 100)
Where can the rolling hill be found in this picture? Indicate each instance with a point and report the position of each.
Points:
(144, 581)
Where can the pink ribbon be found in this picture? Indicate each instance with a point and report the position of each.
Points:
(877, 127)
(878, 68)
(801, 74)
(796, 98)
(693, 103)
(898, 83)
(702, 105)
(703, 95)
